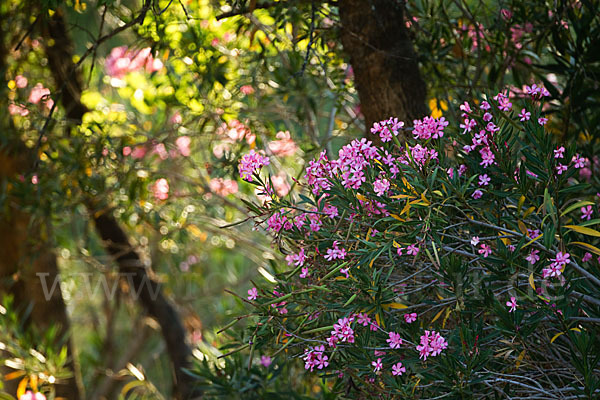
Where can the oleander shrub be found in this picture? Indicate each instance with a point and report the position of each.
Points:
(458, 259)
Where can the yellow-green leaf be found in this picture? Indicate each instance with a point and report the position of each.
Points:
(556, 337)
(589, 247)
(583, 230)
(531, 281)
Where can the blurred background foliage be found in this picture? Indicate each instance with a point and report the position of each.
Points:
(228, 77)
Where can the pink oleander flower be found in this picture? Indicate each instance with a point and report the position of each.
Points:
(560, 168)
(579, 162)
(412, 250)
(586, 257)
(363, 319)
(183, 145)
(304, 272)
(296, 259)
(468, 125)
(542, 121)
(525, 115)
(512, 304)
(410, 318)
(29, 395)
(487, 157)
(265, 361)
(380, 186)
(475, 240)
(484, 180)
(395, 341)
(398, 369)
(430, 127)
(335, 252)
(533, 257)
(485, 250)
(252, 294)
(377, 365)
(251, 163)
(315, 357)
(558, 263)
(431, 344)
(160, 189)
(485, 105)
(477, 194)
(587, 212)
(559, 152)
(223, 187)
(284, 146)
(331, 211)
(387, 128)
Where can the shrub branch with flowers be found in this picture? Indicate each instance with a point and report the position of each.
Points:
(452, 260)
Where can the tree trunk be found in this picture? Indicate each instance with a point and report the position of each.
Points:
(385, 66)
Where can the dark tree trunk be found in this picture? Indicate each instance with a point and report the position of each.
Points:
(385, 66)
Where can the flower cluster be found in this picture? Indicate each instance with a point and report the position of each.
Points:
(251, 163)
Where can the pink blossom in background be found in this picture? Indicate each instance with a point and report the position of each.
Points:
(506, 14)
(586, 257)
(39, 92)
(17, 109)
(398, 369)
(252, 294)
(235, 131)
(183, 145)
(223, 187)
(559, 152)
(126, 151)
(161, 150)
(412, 250)
(542, 121)
(247, 89)
(280, 184)
(122, 61)
(284, 146)
(512, 304)
(176, 118)
(160, 189)
(475, 240)
(34, 179)
(20, 81)
(29, 395)
(139, 152)
(410, 318)
(266, 361)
